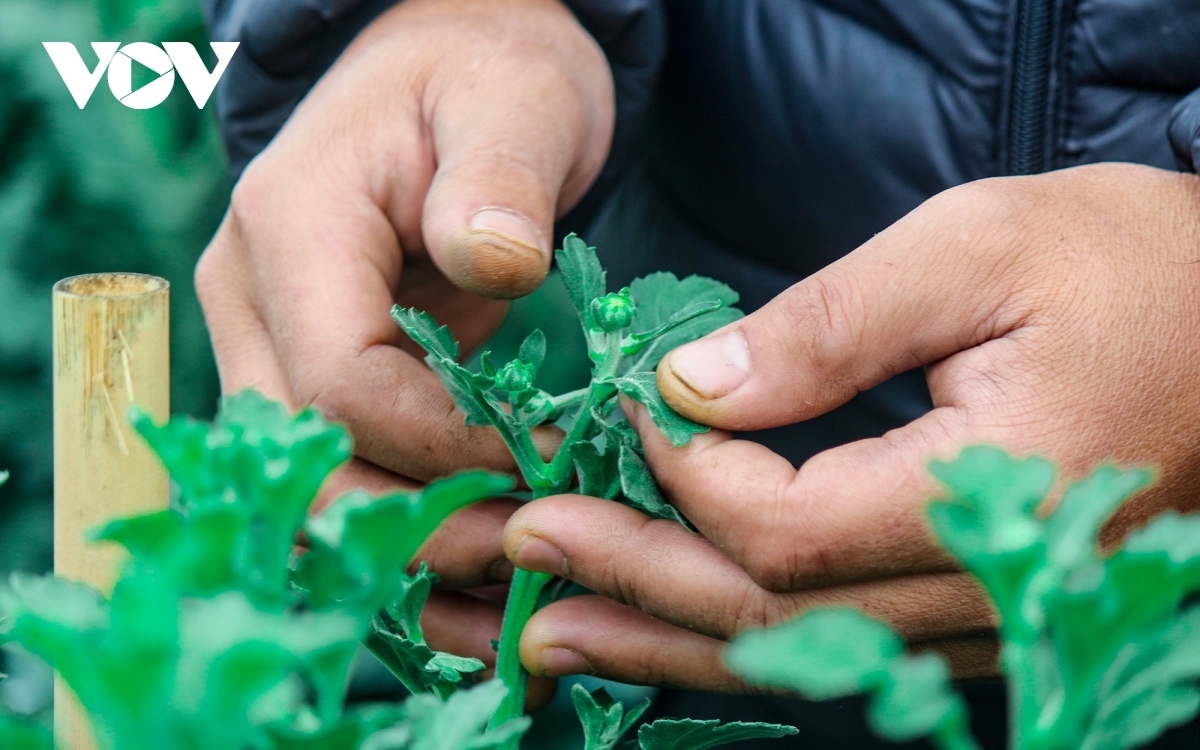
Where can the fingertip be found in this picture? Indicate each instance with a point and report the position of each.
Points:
(695, 378)
(499, 254)
(539, 692)
(556, 661)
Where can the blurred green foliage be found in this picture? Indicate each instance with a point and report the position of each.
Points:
(103, 189)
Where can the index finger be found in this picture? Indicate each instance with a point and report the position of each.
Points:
(852, 513)
(317, 265)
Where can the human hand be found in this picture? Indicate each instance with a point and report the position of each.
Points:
(1055, 314)
(426, 169)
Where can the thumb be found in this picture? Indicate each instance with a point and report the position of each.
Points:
(918, 292)
(514, 151)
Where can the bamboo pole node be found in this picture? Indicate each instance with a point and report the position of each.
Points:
(111, 351)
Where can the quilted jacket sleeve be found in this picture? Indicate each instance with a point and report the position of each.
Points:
(1184, 129)
(287, 45)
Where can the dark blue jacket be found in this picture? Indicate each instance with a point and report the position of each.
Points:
(759, 140)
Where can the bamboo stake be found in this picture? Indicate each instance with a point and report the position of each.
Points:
(111, 350)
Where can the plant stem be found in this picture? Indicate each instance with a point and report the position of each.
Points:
(566, 400)
(522, 598)
(549, 479)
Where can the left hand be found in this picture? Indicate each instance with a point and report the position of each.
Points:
(1057, 314)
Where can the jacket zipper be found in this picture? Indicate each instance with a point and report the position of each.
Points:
(1033, 49)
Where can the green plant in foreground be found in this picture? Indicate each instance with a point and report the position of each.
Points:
(1101, 652)
(627, 333)
(217, 635)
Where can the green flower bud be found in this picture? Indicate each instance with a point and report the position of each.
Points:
(615, 311)
(514, 377)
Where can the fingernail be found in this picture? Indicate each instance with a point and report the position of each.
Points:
(508, 225)
(560, 662)
(712, 367)
(535, 553)
(501, 571)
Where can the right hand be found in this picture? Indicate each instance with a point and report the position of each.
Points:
(426, 168)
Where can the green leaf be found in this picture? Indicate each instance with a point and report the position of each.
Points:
(1122, 607)
(361, 544)
(641, 491)
(408, 600)
(460, 723)
(154, 671)
(830, 653)
(533, 349)
(1149, 687)
(22, 734)
(916, 701)
(464, 387)
(636, 342)
(989, 522)
(419, 668)
(255, 455)
(396, 639)
(1071, 530)
(423, 329)
(582, 275)
(348, 732)
(236, 663)
(604, 720)
(598, 471)
(692, 734)
(662, 297)
(641, 387)
(203, 552)
(826, 653)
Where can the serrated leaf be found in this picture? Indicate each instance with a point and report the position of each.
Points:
(425, 331)
(636, 342)
(825, 653)
(408, 600)
(460, 723)
(232, 655)
(155, 672)
(419, 668)
(466, 388)
(203, 552)
(989, 522)
(1071, 530)
(396, 639)
(604, 720)
(640, 489)
(260, 457)
(693, 734)
(598, 471)
(1149, 687)
(641, 387)
(661, 296)
(582, 275)
(916, 700)
(361, 544)
(467, 396)
(830, 653)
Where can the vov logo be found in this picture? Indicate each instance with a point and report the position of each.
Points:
(118, 61)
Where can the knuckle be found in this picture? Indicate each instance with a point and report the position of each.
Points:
(831, 308)
(250, 195)
(1008, 202)
(207, 278)
(767, 566)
